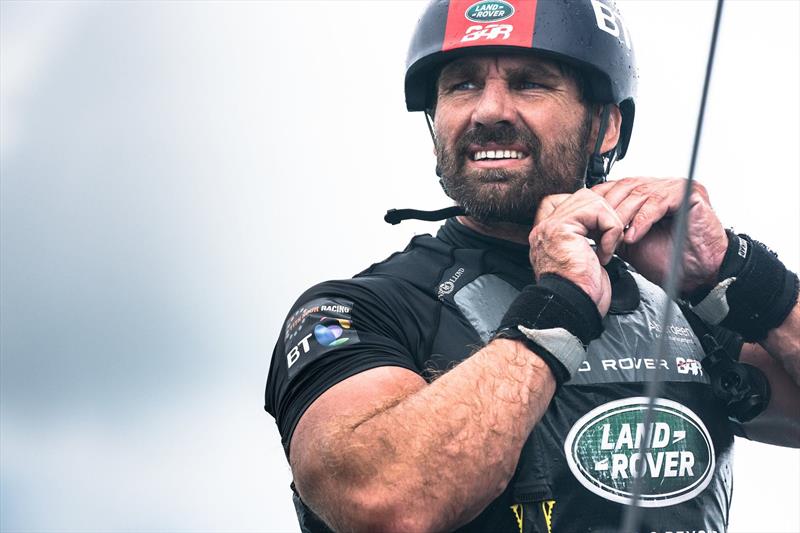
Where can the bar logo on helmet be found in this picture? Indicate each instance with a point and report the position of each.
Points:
(487, 11)
(471, 23)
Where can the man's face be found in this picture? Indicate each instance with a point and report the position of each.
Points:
(509, 131)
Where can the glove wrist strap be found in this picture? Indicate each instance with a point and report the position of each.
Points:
(755, 292)
(555, 319)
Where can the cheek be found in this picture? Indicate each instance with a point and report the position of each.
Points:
(545, 123)
(449, 123)
(553, 126)
(445, 137)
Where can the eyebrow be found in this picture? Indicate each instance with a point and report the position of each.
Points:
(465, 69)
(471, 70)
(534, 71)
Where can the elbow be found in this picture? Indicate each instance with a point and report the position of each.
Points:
(373, 503)
(368, 509)
(378, 514)
(411, 514)
(349, 494)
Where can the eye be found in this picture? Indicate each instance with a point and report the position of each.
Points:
(527, 85)
(463, 86)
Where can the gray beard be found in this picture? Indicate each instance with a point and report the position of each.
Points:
(560, 170)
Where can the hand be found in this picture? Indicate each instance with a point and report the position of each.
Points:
(559, 242)
(647, 206)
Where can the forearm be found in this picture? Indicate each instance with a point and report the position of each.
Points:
(778, 357)
(443, 453)
(783, 343)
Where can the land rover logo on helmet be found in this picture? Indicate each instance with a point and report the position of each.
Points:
(603, 452)
(489, 11)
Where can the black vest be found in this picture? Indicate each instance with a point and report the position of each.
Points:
(444, 297)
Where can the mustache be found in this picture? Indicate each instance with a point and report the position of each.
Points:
(504, 134)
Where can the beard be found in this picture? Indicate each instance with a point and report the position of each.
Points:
(502, 195)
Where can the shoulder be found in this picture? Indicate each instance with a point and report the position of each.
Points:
(420, 263)
(339, 328)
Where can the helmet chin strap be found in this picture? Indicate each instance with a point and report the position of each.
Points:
(429, 123)
(598, 168)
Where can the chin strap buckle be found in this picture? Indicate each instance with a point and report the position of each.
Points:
(598, 169)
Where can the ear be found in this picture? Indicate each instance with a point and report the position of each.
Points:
(612, 130)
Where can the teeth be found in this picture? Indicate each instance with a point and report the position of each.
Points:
(497, 154)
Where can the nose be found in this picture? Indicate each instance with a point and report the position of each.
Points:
(495, 104)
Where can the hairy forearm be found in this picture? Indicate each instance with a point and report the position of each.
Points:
(778, 357)
(444, 452)
(783, 343)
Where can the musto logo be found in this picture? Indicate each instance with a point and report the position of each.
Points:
(603, 452)
(329, 331)
(489, 11)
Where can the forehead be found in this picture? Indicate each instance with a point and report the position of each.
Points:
(483, 64)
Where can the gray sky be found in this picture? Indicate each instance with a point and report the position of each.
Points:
(174, 174)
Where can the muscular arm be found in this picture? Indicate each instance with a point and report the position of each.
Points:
(383, 450)
(783, 343)
(778, 356)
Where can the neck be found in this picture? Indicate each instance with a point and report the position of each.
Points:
(499, 230)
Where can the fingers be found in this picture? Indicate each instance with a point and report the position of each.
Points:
(616, 191)
(559, 243)
(548, 205)
(609, 227)
(641, 202)
(588, 214)
(654, 208)
(609, 242)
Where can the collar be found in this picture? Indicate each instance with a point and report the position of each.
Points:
(456, 234)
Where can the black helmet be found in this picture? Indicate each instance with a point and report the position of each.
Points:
(589, 35)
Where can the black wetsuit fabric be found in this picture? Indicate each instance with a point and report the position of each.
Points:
(440, 300)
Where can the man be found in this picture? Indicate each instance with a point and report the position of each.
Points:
(450, 386)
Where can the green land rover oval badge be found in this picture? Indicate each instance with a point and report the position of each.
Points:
(603, 452)
(486, 11)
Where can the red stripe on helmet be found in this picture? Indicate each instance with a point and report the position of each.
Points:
(489, 23)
